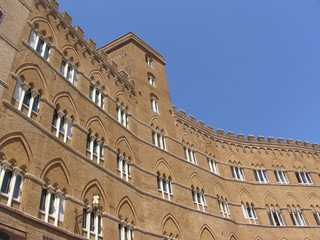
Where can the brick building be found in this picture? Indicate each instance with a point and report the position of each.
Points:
(92, 148)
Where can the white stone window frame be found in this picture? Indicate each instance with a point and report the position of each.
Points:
(304, 178)
(58, 205)
(275, 215)
(96, 223)
(124, 167)
(154, 105)
(190, 155)
(261, 176)
(249, 212)
(96, 95)
(69, 71)
(199, 198)
(67, 128)
(15, 173)
(158, 140)
(281, 177)
(34, 40)
(19, 94)
(122, 116)
(224, 207)
(96, 148)
(297, 217)
(164, 186)
(213, 167)
(237, 173)
(126, 231)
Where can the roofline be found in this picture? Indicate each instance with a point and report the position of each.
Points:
(131, 37)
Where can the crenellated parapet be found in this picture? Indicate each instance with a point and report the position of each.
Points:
(189, 123)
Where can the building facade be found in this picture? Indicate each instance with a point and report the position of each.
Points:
(91, 147)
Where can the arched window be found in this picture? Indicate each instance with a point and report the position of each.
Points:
(61, 125)
(223, 206)
(38, 43)
(260, 175)
(237, 173)
(281, 177)
(69, 71)
(164, 186)
(198, 198)
(158, 140)
(189, 154)
(11, 179)
(96, 95)
(125, 231)
(249, 212)
(275, 216)
(94, 147)
(213, 165)
(297, 216)
(123, 167)
(122, 115)
(27, 97)
(52, 204)
(148, 60)
(151, 79)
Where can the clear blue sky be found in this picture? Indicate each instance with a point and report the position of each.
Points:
(249, 66)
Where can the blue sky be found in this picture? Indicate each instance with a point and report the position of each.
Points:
(249, 66)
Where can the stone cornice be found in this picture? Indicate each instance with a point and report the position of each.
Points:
(131, 37)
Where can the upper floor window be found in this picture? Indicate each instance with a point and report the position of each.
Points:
(1, 15)
(10, 182)
(96, 95)
(164, 185)
(198, 198)
(125, 231)
(123, 167)
(189, 155)
(249, 212)
(94, 147)
(38, 44)
(297, 217)
(213, 166)
(52, 204)
(237, 173)
(148, 60)
(260, 175)
(158, 140)
(316, 214)
(281, 177)
(154, 105)
(304, 178)
(275, 216)
(62, 125)
(27, 97)
(223, 206)
(92, 222)
(151, 80)
(122, 116)
(69, 72)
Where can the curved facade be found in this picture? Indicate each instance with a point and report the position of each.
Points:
(92, 148)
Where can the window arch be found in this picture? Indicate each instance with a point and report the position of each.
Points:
(95, 147)
(62, 124)
(39, 43)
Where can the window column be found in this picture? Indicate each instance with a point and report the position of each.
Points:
(34, 94)
(24, 87)
(16, 172)
(50, 190)
(129, 232)
(167, 187)
(126, 169)
(5, 166)
(57, 206)
(121, 159)
(96, 224)
(88, 222)
(60, 115)
(92, 139)
(122, 230)
(99, 142)
(68, 120)
(161, 185)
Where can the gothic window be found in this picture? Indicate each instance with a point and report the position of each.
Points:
(189, 155)
(304, 178)
(281, 177)
(260, 175)
(297, 216)
(69, 72)
(148, 60)
(158, 140)
(198, 198)
(62, 125)
(213, 166)
(38, 44)
(92, 222)
(249, 212)
(123, 167)
(237, 173)
(125, 231)
(223, 206)
(122, 116)
(164, 186)
(154, 105)
(27, 97)
(96, 95)
(275, 216)
(151, 80)
(94, 148)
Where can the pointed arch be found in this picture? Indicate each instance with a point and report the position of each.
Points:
(162, 166)
(209, 150)
(44, 26)
(314, 199)
(291, 199)
(270, 198)
(32, 74)
(91, 188)
(256, 161)
(66, 101)
(126, 211)
(221, 191)
(233, 158)
(297, 164)
(157, 124)
(276, 163)
(196, 181)
(72, 54)
(206, 233)
(123, 146)
(121, 99)
(245, 196)
(16, 142)
(170, 226)
(187, 139)
(317, 165)
(232, 236)
(98, 78)
(57, 174)
(95, 124)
